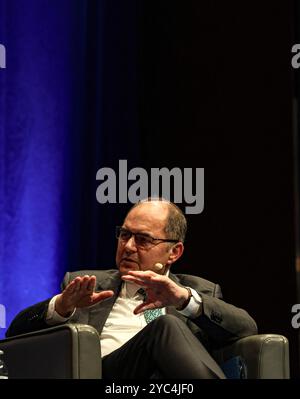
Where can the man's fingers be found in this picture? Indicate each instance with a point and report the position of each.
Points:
(84, 284)
(143, 306)
(77, 284)
(135, 280)
(139, 309)
(81, 285)
(73, 286)
(105, 294)
(70, 287)
(147, 276)
(100, 296)
(80, 292)
(91, 284)
(140, 280)
(142, 274)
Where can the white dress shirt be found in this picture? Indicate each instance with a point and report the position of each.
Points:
(122, 324)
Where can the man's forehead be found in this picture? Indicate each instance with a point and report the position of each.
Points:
(151, 207)
(156, 211)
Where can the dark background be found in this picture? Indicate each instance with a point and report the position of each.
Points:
(186, 84)
(214, 89)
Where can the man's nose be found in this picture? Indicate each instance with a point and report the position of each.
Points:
(130, 244)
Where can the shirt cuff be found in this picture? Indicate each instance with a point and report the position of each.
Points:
(52, 317)
(194, 307)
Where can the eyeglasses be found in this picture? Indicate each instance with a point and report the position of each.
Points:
(141, 240)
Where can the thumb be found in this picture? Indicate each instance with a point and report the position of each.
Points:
(144, 306)
(100, 296)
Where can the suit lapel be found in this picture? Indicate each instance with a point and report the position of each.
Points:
(99, 312)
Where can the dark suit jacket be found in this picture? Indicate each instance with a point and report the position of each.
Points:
(220, 323)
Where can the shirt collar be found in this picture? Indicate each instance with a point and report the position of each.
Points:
(129, 289)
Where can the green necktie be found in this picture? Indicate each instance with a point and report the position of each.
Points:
(150, 314)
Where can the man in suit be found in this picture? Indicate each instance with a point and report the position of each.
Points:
(150, 322)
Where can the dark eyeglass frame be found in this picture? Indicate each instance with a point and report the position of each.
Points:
(120, 229)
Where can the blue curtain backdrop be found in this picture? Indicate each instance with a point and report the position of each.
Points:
(67, 108)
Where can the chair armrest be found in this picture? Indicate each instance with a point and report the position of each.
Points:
(266, 356)
(64, 351)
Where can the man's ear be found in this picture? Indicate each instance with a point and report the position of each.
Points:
(175, 252)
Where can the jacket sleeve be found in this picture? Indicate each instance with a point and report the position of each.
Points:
(33, 318)
(29, 320)
(221, 321)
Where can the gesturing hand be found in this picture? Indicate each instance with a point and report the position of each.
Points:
(161, 290)
(79, 293)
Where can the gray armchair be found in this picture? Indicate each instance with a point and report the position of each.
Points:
(264, 356)
(73, 351)
(64, 351)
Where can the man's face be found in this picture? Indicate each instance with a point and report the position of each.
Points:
(147, 218)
